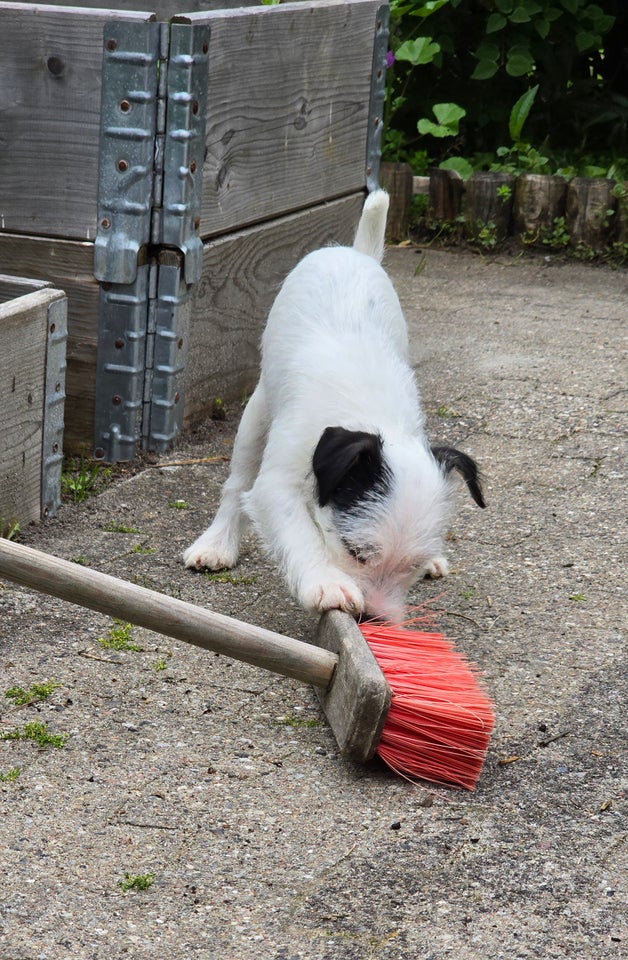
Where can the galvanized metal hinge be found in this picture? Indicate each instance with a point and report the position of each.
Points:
(148, 251)
(378, 97)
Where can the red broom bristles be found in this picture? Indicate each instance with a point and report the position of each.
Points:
(440, 720)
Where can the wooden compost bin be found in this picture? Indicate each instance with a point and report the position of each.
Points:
(167, 175)
(33, 333)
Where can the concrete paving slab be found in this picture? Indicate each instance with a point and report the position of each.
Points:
(224, 783)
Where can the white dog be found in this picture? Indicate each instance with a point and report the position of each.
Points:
(330, 462)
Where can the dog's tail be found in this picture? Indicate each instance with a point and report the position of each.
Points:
(371, 232)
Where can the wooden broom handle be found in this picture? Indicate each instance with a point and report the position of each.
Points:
(166, 615)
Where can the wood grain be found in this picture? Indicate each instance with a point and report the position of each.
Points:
(68, 265)
(50, 92)
(24, 338)
(167, 615)
(241, 276)
(288, 105)
(539, 200)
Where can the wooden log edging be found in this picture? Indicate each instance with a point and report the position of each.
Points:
(535, 208)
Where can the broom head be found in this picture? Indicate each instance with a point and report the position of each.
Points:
(440, 719)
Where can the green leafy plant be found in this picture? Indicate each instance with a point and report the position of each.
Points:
(486, 55)
(38, 733)
(119, 637)
(11, 775)
(113, 527)
(558, 237)
(448, 117)
(140, 881)
(35, 693)
(81, 478)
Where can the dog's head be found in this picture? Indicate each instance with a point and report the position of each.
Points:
(383, 508)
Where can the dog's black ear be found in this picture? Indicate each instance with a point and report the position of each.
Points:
(452, 459)
(348, 464)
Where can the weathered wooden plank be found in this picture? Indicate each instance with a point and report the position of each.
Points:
(539, 200)
(288, 105)
(241, 276)
(50, 93)
(68, 265)
(397, 179)
(24, 337)
(587, 211)
(163, 9)
(485, 206)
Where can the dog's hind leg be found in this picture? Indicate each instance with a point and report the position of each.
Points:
(219, 546)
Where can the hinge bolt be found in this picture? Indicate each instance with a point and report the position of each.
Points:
(116, 400)
(125, 106)
(105, 223)
(194, 107)
(112, 44)
(193, 166)
(119, 343)
(123, 165)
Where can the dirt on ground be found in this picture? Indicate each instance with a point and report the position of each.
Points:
(197, 807)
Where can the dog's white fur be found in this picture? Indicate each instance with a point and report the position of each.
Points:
(335, 351)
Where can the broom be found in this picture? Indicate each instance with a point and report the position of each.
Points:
(403, 694)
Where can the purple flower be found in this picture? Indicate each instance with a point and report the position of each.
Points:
(390, 59)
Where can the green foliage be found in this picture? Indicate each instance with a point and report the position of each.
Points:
(113, 527)
(140, 881)
(448, 116)
(35, 693)
(119, 637)
(560, 62)
(38, 733)
(11, 775)
(81, 479)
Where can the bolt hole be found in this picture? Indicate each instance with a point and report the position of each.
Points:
(105, 223)
(99, 453)
(205, 47)
(193, 166)
(123, 165)
(119, 343)
(116, 400)
(125, 106)
(176, 398)
(195, 107)
(53, 327)
(55, 448)
(57, 388)
(180, 343)
(112, 44)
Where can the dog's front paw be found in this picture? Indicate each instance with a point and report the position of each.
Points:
(437, 567)
(335, 593)
(211, 554)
